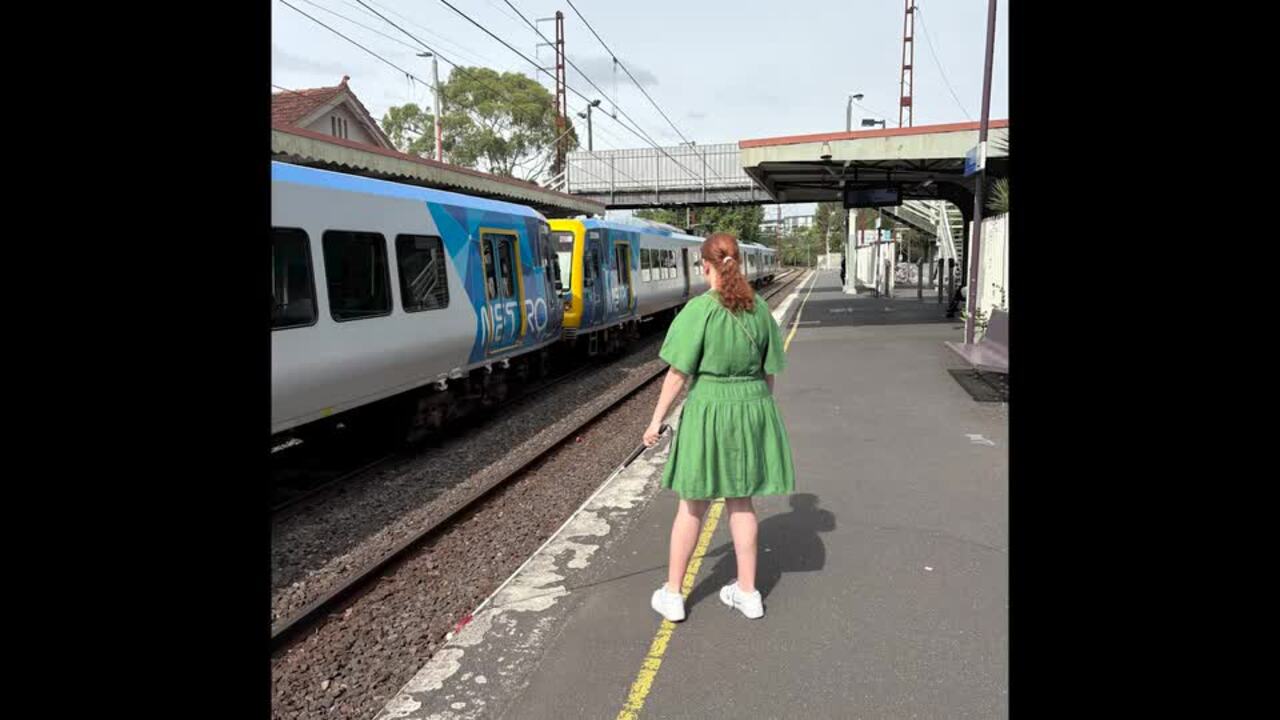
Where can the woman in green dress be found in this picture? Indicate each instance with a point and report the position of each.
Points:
(730, 442)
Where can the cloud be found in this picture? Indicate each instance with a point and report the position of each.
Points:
(695, 115)
(600, 69)
(284, 60)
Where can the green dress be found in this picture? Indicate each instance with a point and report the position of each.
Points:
(730, 441)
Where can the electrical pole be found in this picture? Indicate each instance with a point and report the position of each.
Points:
(562, 106)
(975, 245)
(435, 87)
(908, 61)
(435, 80)
(587, 116)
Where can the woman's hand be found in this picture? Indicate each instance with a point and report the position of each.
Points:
(651, 434)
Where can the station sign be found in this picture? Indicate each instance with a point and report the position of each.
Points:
(872, 197)
(975, 160)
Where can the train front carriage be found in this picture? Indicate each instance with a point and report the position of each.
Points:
(598, 266)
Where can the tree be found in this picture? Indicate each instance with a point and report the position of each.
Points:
(411, 129)
(831, 216)
(802, 246)
(502, 123)
(662, 215)
(742, 221)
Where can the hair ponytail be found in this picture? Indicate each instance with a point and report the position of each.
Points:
(721, 251)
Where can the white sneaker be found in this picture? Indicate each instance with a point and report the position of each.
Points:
(668, 604)
(751, 604)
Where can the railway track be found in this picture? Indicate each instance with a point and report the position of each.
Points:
(319, 490)
(305, 617)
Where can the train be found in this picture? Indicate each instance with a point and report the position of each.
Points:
(424, 304)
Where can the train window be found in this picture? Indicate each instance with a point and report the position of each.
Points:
(293, 296)
(550, 265)
(669, 263)
(424, 279)
(563, 240)
(490, 272)
(507, 266)
(622, 270)
(355, 266)
(646, 263)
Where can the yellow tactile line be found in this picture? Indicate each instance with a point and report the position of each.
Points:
(653, 660)
(643, 683)
(796, 324)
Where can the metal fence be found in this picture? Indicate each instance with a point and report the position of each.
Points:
(645, 170)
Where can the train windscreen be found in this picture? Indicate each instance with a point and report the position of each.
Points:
(563, 240)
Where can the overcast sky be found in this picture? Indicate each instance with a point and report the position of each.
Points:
(722, 70)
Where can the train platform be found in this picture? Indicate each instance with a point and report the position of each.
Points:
(885, 577)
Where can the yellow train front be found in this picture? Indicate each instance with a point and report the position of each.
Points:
(614, 274)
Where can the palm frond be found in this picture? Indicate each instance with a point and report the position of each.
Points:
(999, 200)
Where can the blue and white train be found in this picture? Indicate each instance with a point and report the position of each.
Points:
(437, 302)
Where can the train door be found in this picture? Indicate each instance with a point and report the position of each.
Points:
(552, 315)
(684, 263)
(593, 280)
(623, 297)
(503, 287)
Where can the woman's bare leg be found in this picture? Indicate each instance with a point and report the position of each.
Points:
(684, 536)
(742, 525)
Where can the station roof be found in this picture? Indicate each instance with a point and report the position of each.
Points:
(793, 168)
(304, 147)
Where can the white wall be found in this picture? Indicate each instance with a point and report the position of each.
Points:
(993, 266)
(865, 274)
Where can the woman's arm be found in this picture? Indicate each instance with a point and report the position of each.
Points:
(671, 387)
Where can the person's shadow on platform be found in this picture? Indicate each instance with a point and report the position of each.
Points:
(785, 543)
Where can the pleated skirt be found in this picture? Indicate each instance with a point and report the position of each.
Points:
(730, 442)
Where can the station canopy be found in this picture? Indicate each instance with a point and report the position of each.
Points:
(925, 162)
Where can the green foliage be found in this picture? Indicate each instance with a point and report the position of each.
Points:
(832, 216)
(999, 199)
(662, 215)
(998, 192)
(502, 123)
(743, 221)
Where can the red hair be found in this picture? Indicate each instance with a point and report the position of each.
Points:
(720, 250)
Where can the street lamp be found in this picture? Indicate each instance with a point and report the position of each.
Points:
(435, 87)
(587, 115)
(848, 111)
(872, 122)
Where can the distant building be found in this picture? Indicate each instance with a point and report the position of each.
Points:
(332, 111)
(790, 224)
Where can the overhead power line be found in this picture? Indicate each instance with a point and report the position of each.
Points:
(568, 87)
(936, 62)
